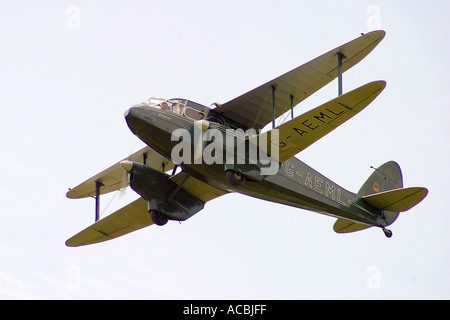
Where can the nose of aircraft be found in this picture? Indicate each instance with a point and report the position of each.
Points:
(132, 112)
(135, 118)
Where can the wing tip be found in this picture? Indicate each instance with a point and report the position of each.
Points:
(378, 32)
(378, 35)
(71, 244)
(70, 194)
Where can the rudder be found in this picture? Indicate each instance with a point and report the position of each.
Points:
(387, 177)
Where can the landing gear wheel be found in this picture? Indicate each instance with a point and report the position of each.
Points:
(387, 233)
(158, 218)
(235, 178)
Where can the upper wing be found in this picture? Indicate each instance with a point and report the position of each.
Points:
(135, 216)
(302, 131)
(113, 177)
(254, 108)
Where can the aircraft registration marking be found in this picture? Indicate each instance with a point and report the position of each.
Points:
(315, 121)
(317, 183)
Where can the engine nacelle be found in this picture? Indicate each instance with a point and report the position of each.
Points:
(162, 194)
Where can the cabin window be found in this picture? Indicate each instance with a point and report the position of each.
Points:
(165, 106)
(178, 107)
(173, 105)
(193, 114)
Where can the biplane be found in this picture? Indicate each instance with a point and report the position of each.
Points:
(175, 190)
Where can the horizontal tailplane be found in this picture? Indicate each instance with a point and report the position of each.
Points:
(346, 226)
(397, 200)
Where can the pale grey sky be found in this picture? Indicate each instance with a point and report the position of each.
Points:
(70, 69)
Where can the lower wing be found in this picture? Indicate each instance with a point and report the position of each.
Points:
(297, 134)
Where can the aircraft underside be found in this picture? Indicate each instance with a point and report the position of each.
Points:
(225, 149)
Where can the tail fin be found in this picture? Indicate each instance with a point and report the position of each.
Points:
(384, 190)
(387, 177)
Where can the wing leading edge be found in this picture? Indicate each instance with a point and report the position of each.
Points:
(254, 108)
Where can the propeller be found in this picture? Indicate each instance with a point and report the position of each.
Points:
(124, 184)
(199, 143)
(127, 165)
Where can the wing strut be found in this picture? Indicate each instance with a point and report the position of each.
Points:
(292, 106)
(144, 158)
(340, 57)
(98, 185)
(273, 106)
